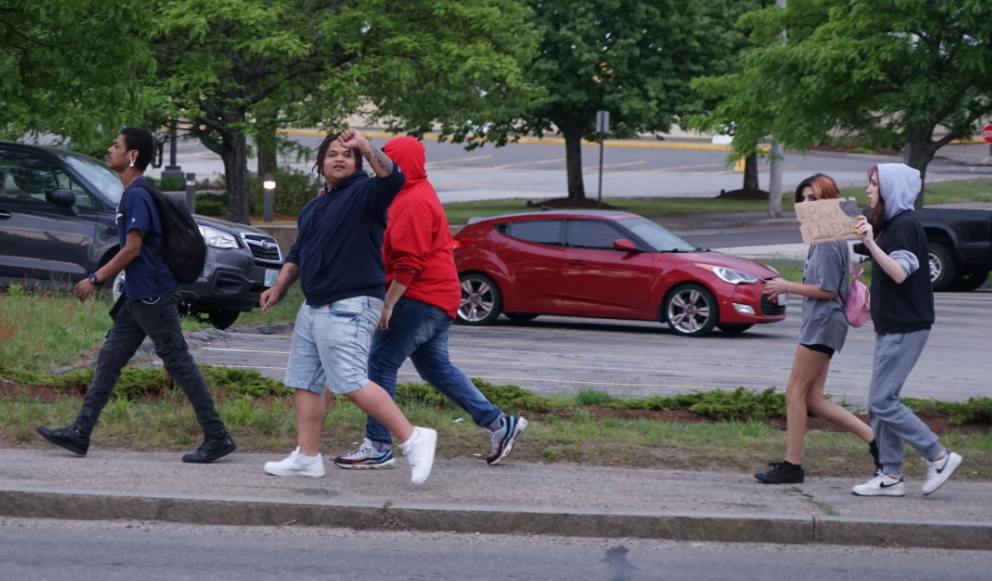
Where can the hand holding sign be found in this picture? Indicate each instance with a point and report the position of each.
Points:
(826, 220)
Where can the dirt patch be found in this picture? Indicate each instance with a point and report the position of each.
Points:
(743, 195)
(573, 204)
(12, 389)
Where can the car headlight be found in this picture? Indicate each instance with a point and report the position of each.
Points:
(217, 239)
(730, 275)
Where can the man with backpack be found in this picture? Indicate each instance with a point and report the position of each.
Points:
(148, 306)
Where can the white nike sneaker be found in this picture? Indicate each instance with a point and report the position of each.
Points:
(881, 485)
(939, 471)
(295, 465)
(419, 450)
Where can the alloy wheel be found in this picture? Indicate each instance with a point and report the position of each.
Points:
(478, 300)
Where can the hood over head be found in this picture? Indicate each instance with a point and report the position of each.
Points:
(899, 185)
(410, 155)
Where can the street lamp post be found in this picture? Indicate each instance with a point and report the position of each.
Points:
(191, 192)
(602, 128)
(269, 186)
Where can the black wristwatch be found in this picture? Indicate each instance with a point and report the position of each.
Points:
(93, 279)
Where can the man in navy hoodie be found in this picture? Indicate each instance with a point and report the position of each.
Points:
(337, 258)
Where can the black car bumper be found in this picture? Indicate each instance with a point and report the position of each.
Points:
(233, 280)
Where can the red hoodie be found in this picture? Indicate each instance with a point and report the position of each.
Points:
(417, 246)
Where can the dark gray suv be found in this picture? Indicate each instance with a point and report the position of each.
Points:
(57, 225)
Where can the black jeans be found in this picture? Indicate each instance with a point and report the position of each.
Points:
(159, 319)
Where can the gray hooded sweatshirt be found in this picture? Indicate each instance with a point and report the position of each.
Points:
(905, 307)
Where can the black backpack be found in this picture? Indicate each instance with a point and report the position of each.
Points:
(185, 251)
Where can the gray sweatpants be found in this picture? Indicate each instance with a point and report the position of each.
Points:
(893, 422)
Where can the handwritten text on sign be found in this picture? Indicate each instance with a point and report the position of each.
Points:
(826, 220)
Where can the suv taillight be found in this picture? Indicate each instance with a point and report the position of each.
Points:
(462, 242)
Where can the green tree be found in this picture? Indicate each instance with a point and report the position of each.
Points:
(71, 67)
(237, 68)
(632, 58)
(895, 71)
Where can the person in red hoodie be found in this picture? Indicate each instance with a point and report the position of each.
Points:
(423, 296)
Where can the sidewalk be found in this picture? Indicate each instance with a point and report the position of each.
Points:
(469, 496)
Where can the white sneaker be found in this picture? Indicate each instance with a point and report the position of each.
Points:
(295, 465)
(419, 450)
(881, 485)
(939, 471)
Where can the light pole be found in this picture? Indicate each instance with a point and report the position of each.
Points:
(602, 128)
(269, 186)
(191, 192)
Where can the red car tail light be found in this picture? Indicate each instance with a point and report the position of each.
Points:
(462, 242)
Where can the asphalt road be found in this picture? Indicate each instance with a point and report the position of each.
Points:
(537, 170)
(638, 359)
(108, 551)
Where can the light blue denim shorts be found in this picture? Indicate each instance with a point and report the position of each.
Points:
(330, 346)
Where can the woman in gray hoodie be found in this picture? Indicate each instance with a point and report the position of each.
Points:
(902, 312)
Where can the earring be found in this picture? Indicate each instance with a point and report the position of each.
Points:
(132, 162)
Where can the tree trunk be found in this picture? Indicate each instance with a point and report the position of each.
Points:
(751, 172)
(235, 158)
(918, 155)
(775, 181)
(265, 148)
(573, 161)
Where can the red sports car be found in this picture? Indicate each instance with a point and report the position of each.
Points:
(609, 265)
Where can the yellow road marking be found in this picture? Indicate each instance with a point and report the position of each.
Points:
(458, 160)
(596, 167)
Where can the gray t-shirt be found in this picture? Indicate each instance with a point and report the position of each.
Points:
(824, 321)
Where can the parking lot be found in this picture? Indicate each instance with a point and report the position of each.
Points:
(636, 359)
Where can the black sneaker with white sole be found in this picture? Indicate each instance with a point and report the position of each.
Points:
(782, 473)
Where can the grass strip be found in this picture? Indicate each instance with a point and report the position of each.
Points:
(269, 425)
(739, 405)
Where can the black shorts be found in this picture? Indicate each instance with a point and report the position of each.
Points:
(820, 348)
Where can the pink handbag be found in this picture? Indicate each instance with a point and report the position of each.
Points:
(858, 306)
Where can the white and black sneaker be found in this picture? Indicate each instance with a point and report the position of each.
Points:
(881, 485)
(366, 457)
(504, 438)
(939, 471)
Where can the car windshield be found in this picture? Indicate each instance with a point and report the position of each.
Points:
(658, 238)
(97, 173)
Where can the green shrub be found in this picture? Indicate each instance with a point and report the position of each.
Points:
(593, 397)
(293, 190)
(211, 204)
(171, 184)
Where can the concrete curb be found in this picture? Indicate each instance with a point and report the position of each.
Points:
(682, 526)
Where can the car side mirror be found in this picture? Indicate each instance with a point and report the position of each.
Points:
(625, 245)
(66, 198)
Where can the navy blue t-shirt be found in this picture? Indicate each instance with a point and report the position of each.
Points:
(141, 214)
(339, 244)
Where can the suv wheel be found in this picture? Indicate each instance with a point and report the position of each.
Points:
(117, 287)
(481, 300)
(941, 267)
(691, 310)
(222, 319)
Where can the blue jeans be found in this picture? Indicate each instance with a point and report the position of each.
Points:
(420, 331)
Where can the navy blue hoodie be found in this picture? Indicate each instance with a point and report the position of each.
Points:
(339, 244)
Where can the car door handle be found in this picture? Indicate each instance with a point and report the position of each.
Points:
(575, 263)
(4, 215)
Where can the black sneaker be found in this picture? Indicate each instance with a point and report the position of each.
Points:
(211, 450)
(782, 473)
(68, 437)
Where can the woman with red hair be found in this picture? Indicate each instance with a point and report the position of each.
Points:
(824, 291)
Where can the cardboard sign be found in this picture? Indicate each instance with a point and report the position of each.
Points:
(826, 220)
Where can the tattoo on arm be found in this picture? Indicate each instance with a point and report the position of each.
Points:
(380, 159)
